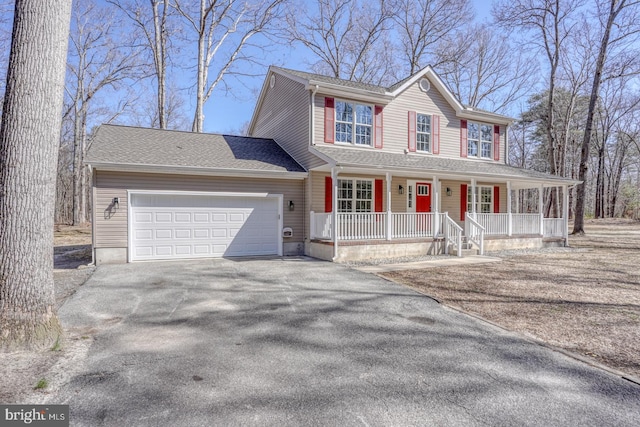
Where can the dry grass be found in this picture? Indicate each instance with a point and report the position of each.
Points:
(586, 301)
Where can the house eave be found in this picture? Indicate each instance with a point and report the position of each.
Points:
(193, 170)
(343, 91)
(471, 114)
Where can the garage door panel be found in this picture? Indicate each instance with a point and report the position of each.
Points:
(168, 226)
(163, 217)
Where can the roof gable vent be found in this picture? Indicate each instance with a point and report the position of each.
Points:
(424, 85)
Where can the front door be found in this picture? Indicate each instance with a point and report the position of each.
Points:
(423, 206)
(423, 197)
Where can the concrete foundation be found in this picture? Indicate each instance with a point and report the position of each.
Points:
(356, 251)
(292, 248)
(110, 256)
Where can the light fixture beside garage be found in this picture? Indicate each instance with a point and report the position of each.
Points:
(292, 206)
(115, 203)
(400, 189)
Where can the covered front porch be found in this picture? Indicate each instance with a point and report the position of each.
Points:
(415, 214)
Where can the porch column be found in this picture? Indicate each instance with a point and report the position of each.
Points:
(334, 215)
(509, 215)
(565, 213)
(541, 208)
(389, 221)
(436, 204)
(473, 197)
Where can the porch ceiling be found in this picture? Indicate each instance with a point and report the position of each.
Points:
(411, 164)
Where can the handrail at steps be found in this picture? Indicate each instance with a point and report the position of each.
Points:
(475, 232)
(452, 235)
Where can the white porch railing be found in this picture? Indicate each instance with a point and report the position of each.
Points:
(494, 224)
(414, 225)
(474, 232)
(362, 226)
(320, 225)
(553, 227)
(370, 226)
(452, 235)
(526, 223)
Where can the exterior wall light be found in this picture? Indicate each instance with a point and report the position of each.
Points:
(448, 191)
(400, 189)
(292, 205)
(115, 203)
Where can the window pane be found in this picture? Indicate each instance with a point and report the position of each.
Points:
(363, 135)
(472, 148)
(423, 142)
(472, 130)
(423, 123)
(344, 112)
(343, 132)
(487, 133)
(486, 149)
(364, 115)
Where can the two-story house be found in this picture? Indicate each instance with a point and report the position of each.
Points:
(334, 169)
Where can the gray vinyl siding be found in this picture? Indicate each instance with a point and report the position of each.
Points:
(111, 230)
(396, 120)
(284, 117)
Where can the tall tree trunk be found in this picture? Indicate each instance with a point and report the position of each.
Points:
(160, 57)
(578, 224)
(198, 116)
(599, 208)
(31, 120)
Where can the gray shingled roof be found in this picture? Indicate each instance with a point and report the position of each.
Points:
(155, 147)
(333, 80)
(375, 158)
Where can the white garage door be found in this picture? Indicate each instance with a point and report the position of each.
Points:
(172, 226)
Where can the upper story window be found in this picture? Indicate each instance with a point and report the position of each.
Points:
(423, 132)
(479, 140)
(355, 195)
(354, 123)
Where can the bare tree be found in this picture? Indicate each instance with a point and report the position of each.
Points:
(29, 133)
(151, 18)
(349, 39)
(423, 25)
(96, 61)
(550, 22)
(620, 22)
(223, 30)
(485, 73)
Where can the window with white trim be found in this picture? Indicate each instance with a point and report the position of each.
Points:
(479, 140)
(483, 199)
(354, 123)
(423, 132)
(355, 195)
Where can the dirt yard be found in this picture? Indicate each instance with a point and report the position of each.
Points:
(585, 300)
(21, 371)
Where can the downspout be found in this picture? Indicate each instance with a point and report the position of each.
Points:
(312, 137)
(93, 173)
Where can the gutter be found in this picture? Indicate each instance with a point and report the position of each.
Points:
(193, 170)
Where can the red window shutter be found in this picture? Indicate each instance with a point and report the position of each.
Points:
(435, 131)
(463, 200)
(378, 126)
(496, 142)
(377, 190)
(496, 199)
(463, 138)
(328, 194)
(329, 120)
(412, 131)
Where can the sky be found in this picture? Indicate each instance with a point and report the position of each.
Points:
(227, 113)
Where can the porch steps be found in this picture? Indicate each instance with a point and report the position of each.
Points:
(468, 249)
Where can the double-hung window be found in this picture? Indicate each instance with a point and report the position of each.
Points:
(483, 199)
(354, 123)
(355, 195)
(423, 132)
(479, 140)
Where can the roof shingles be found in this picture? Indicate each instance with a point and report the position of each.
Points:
(141, 146)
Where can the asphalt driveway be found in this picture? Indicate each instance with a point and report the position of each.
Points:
(301, 342)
